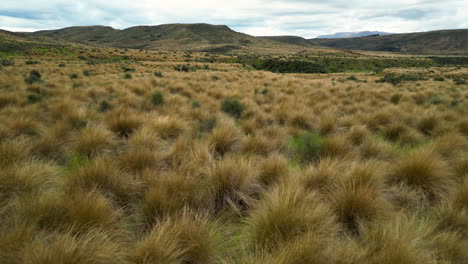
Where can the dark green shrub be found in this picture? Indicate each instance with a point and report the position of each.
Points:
(79, 124)
(439, 79)
(128, 69)
(352, 78)
(7, 62)
(34, 98)
(157, 98)
(104, 105)
(396, 79)
(183, 68)
(61, 65)
(459, 81)
(34, 77)
(77, 85)
(127, 76)
(265, 91)
(73, 76)
(29, 62)
(158, 74)
(232, 107)
(435, 100)
(196, 104)
(289, 66)
(86, 73)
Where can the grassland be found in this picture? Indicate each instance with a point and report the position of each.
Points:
(128, 156)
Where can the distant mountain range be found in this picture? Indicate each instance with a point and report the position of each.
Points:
(220, 38)
(353, 34)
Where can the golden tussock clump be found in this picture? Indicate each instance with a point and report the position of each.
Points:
(225, 136)
(92, 247)
(358, 134)
(93, 140)
(104, 175)
(423, 169)
(123, 123)
(186, 239)
(286, 214)
(233, 184)
(168, 195)
(273, 170)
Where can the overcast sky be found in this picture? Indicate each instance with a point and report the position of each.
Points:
(307, 18)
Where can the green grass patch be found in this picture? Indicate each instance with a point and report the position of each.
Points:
(307, 146)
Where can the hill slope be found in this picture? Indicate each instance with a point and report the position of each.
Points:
(353, 34)
(433, 42)
(293, 40)
(148, 37)
(219, 38)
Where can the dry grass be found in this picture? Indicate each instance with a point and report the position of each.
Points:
(316, 169)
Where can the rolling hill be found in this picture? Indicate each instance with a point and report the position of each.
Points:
(433, 42)
(220, 38)
(184, 36)
(353, 34)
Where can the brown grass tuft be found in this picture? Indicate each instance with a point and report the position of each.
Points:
(123, 123)
(93, 140)
(286, 214)
(102, 174)
(224, 136)
(423, 169)
(66, 248)
(186, 239)
(233, 183)
(274, 169)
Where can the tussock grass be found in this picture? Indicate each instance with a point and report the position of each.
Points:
(401, 240)
(355, 205)
(93, 247)
(91, 141)
(186, 239)
(292, 168)
(286, 214)
(28, 178)
(123, 123)
(104, 175)
(358, 134)
(224, 137)
(423, 169)
(169, 196)
(274, 169)
(233, 184)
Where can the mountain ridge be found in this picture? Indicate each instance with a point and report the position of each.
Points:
(221, 38)
(353, 34)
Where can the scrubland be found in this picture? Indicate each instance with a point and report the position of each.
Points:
(136, 162)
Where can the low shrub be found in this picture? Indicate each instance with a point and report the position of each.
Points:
(308, 146)
(6, 62)
(232, 107)
(157, 98)
(34, 77)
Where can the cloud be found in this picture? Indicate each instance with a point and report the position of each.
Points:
(307, 18)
